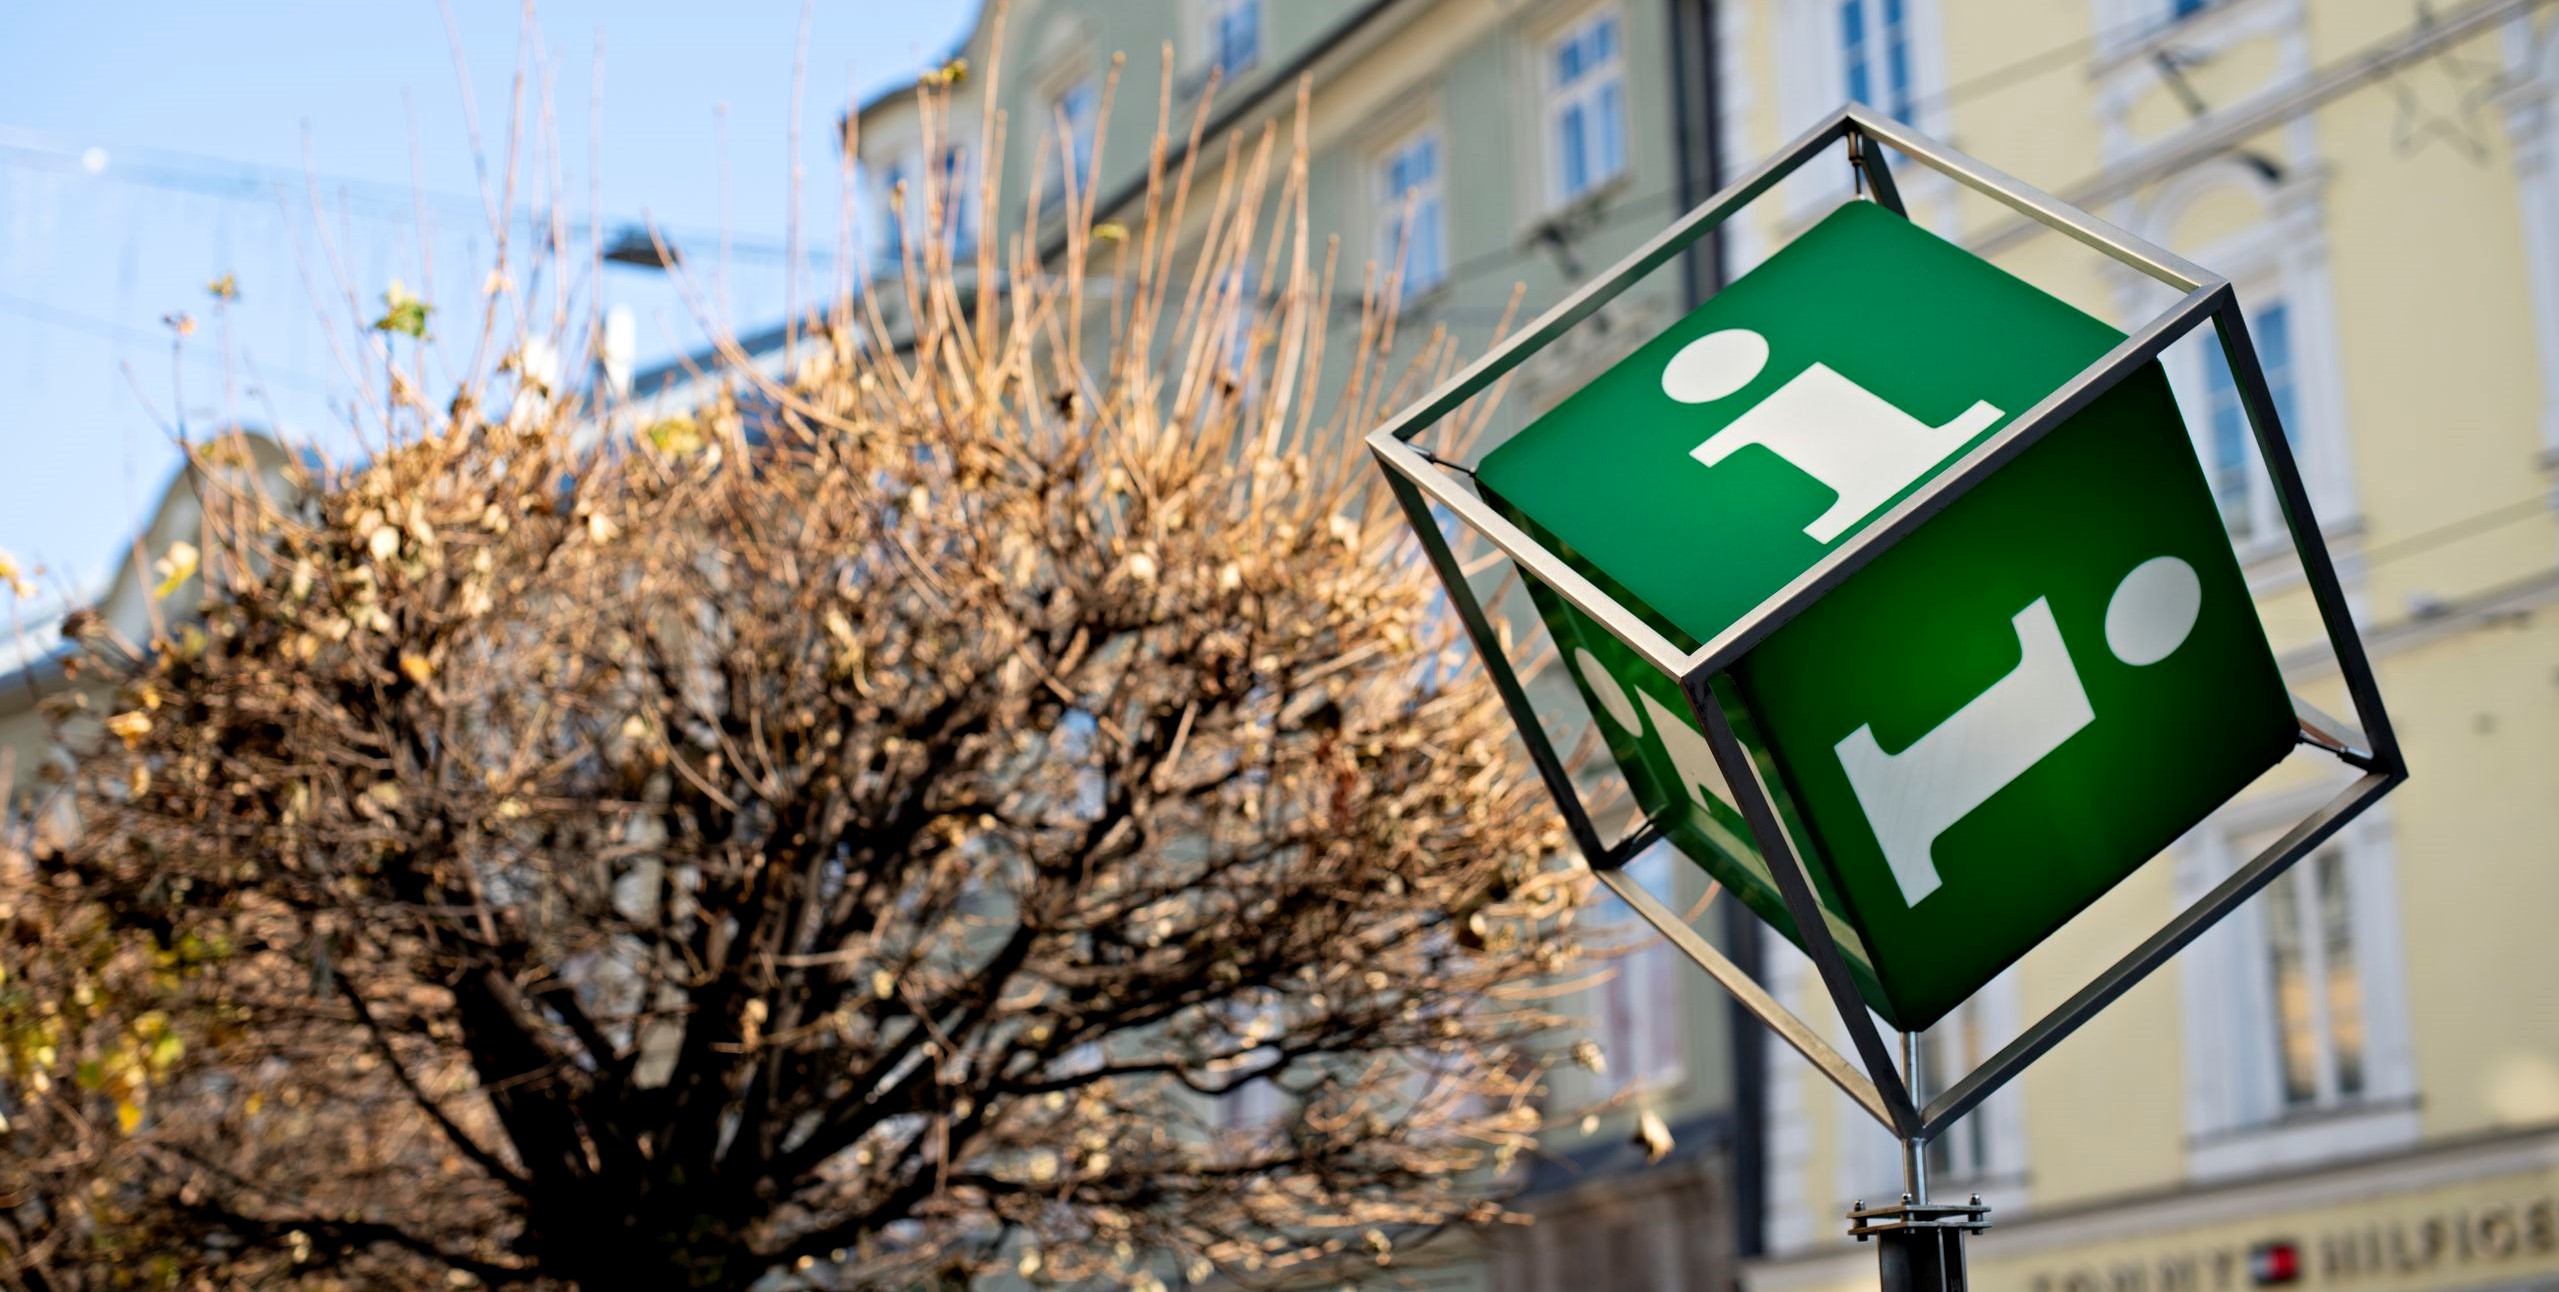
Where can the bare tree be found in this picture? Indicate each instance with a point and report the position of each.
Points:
(955, 807)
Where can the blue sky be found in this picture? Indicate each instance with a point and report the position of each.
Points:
(146, 150)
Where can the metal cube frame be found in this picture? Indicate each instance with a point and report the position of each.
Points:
(1418, 480)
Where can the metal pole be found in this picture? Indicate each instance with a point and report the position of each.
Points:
(1914, 1150)
(1919, 1245)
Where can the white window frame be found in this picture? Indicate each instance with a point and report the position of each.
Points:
(2281, 257)
(1258, 1102)
(2236, 1118)
(1429, 208)
(1588, 92)
(1083, 134)
(1868, 1162)
(2133, 19)
(2210, 391)
(1865, 1160)
(1202, 37)
(1237, 290)
(959, 197)
(1648, 1056)
(958, 185)
(2122, 23)
(2129, 32)
(1813, 81)
(1878, 33)
(899, 226)
(1985, 1150)
(2532, 127)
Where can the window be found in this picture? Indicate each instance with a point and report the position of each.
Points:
(2296, 1009)
(1233, 313)
(2231, 461)
(2278, 259)
(1946, 1053)
(1245, 306)
(1078, 107)
(2314, 985)
(906, 215)
(1413, 218)
(1636, 1013)
(2186, 8)
(1231, 34)
(959, 199)
(1586, 107)
(897, 209)
(1874, 50)
(1987, 1146)
(1251, 1106)
(1256, 1103)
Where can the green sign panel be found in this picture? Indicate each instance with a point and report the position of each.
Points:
(1996, 720)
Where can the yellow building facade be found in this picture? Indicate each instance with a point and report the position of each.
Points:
(2354, 1082)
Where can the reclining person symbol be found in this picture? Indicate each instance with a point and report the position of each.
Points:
(1912, 797)
(1830, 428)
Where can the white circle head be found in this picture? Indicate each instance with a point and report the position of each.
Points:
(1611, 693)
(2153, 610)
(1714, 365)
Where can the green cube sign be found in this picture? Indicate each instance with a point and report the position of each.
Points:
(1997, 719)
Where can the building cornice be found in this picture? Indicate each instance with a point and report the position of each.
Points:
(2484, 1155)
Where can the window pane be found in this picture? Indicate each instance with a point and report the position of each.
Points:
(1411, 181)
(1576, 152)
(2296, 1035)
(1239, 333)
(895, 204)
(1946, 1052)
(1974, 1129)
(1077, 106)
(1568, 62)
(2226, 450)
(959, 198)
(1926, 1077)
(1238, 33)
(1852, 48)
(2345, 984)
(1896, 61)
(1428, 258)
(1612, 128)
(2273, 333)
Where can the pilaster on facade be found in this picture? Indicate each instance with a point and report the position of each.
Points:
(2530, 100)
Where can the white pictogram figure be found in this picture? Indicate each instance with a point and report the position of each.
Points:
(1830, 428)
(1699, 776)
(1914, 796)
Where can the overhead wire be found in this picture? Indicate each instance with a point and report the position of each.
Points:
(125, 334)
(238, 180)
(233, 180)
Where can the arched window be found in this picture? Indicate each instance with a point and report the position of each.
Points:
(2269, 237)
